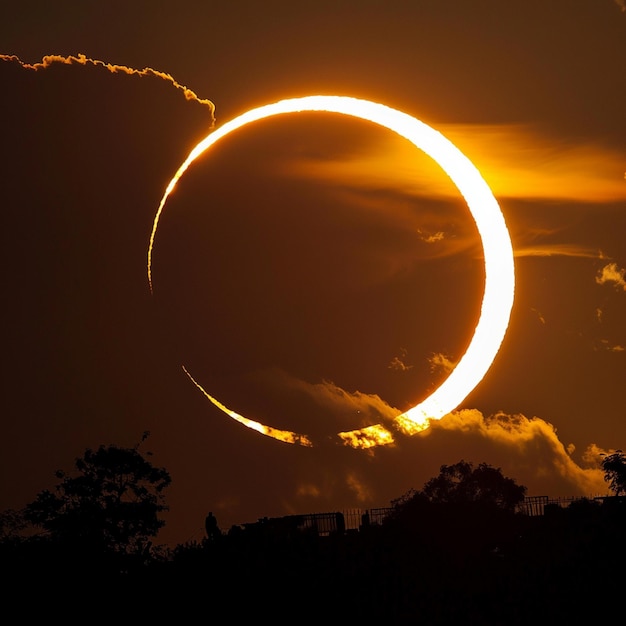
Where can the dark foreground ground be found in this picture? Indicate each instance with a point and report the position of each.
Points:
(445, 565)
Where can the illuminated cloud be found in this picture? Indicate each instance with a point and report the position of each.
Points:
(546, 240)
(556, 249)
(363, 409)
(593, 454)
(606, 345)
(612, 274)
(440, 362)
(515, 160)
(398, 363)
(359, 488)
(308, 489)
(81, 59)
(326, 408)
(540, 317)
(430, 237)
(526, 448)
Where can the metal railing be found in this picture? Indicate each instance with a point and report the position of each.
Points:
(535, 505)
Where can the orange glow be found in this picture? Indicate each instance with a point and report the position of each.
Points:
(81, 59)
(498, 255)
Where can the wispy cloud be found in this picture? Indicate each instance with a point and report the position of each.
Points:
(515, 160)
(430, 237)
(540, 317)
(398, 363)
(556, 249)
(308, 489)
(359, 487)
(332, 397)
(608, 346)
(349, 409)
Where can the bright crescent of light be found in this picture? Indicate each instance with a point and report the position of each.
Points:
(498, 254)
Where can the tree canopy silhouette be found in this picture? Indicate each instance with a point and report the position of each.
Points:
(111, 504)
(614, 467)
(462, 482)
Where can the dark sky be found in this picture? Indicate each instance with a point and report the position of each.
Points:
(312, 271)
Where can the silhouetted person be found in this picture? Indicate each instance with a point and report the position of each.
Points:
(211, 527)
(365, 519)
(340, 522)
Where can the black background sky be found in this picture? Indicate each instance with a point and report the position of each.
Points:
(298, 269)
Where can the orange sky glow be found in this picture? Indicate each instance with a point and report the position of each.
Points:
(316, 276)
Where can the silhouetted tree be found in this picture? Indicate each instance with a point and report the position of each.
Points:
(462, 483)
(111, 505)
(12, 523)
(614, 467)
(460, 493)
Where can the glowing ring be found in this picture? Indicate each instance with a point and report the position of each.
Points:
(498, 252)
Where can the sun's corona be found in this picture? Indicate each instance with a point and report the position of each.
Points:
(497, 249)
